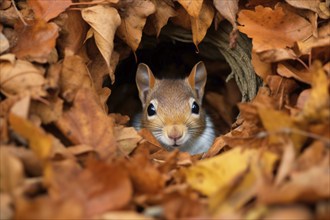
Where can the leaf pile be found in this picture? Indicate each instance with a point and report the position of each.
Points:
(63, 156)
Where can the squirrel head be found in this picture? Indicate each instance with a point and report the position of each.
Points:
(172, 107)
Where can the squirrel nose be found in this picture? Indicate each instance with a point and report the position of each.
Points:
(175, 134)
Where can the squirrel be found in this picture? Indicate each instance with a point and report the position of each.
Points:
(172, 110)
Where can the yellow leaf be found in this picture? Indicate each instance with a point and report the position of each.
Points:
(208, 176)
(316, 108)
(39, 141)
(278, 123)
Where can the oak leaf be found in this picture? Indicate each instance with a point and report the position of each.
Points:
(273, 29)
(104, 22)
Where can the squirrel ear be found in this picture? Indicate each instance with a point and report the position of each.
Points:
(145, 80)
(197, 78)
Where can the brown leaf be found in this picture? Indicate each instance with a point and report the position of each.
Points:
(30, 208)
(276, 55)
(133, 20)
(201, 23)
(193, 7)
(29, 77)
(4, 43)
(300, 188)
(286, 70)
(11, 171)
(273, 29)
(39, 141)
(228, 9)
(73, 31)
(48, 112)
(316, 108)
(74, 75)
(313, 5)
(262, 69)
(145, 176)
(322, 40)
(104, 22)
(127, 139)
(163, 12)
(48, 9)
(100, 187)
(182, 19)
(86, 123)
(36, 41)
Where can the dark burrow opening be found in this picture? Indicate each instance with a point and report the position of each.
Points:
(168, 58)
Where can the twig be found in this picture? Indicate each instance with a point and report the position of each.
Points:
(18, 13)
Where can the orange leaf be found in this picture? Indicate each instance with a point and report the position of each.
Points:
(273, 29)
(48, 9)
(36, 41)
(86, 123)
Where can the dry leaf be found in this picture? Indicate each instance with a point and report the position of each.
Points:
(36, 41)
(316, 108)
(164, 11)
(201, 23)
(86, 123)
(11, 171)
(210, 175)
(262, 69)
(19, 72)
(134, 17)
(47, 10)
(300, 188)
(145, 176)
(48, 112)
(228, 9)
(104, 22)
(323, 40)
(193, 7)
(273, 29)
(286, 70)
(73, 32)
(127, 139)
(74, 75)
(278, 123)
(313, 5)
(4, 43)
(39, 141)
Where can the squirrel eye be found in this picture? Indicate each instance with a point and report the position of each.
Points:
(151, 110)
(195, 108)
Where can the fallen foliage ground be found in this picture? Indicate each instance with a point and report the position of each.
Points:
(64, 157)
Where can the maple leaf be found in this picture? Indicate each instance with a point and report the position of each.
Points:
(273, 29)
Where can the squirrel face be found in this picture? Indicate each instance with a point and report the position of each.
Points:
(172, 107)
